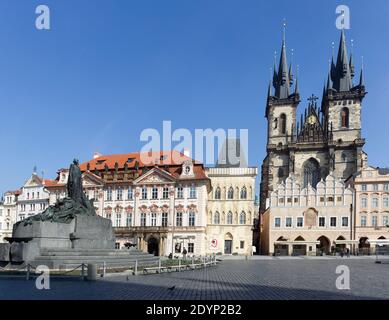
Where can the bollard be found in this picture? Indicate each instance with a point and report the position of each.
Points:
(159, 265)
(104, 269)
(193, 263)
(92, 272)
(83, 271)
(136, 268)
(179, 265)
(28, 272)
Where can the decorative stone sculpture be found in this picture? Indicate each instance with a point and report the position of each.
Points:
(65, 210)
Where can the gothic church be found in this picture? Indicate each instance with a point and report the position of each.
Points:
(327, 139)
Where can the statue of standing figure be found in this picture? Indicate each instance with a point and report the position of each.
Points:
(76, 203)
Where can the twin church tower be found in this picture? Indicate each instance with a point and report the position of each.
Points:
(325, 139)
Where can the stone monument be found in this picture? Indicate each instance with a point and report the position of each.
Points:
(66, 233)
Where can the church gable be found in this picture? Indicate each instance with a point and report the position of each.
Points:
(311, 128)
(91, 180)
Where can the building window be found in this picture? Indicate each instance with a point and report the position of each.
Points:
(375, 202)
(242, 218)
(192, 192)
(386, 186)
(117, 246)
(118, 219)
(288, 222)
(300, 222)
(333, 222)
(375, 187)
(154, 193)
(330, 199)
(217, 193)
(364, 203)
(344, 115)
(364, 187)
(192, 219)
(119, 194)
(374, 221)
(277, 222)
(190, 247)
(340, 199)
(230, 195)
(129, 220)
(180, 192)
(312, 173)
(144, 193)
(179, 219)
(143, 219)
(229, 218)
(243, 193)
(216, 219)
(344, 221)
(153, 219)
(283, 124)
(363, 221)
(165, 193)
(385, 221)
(130, 194)
(109, 194)
(385, 202)
(164, 219)
(242, 244)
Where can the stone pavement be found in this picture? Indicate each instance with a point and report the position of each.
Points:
(232, 280)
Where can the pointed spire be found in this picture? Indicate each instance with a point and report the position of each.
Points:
(283, 81)
(361, 79)
(342, 80)
(329, 83)
(290, 74)
(269, 92)
(352, 67)
(296, 87)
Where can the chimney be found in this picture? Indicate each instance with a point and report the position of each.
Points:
(97, 155)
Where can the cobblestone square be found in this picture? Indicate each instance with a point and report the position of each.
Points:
(259, 279)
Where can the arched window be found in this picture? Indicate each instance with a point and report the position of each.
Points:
(311, 170)
(217, 193)
(344, 117)
(242, 218)
(230, 195)
(283, 124)
(243, 193)
(216, 218)
(229, 218)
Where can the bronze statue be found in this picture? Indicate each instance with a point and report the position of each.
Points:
(76, 202)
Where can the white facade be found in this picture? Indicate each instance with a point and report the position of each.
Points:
(33, 198)
(231, 210)
(8, 214)
(308, 221)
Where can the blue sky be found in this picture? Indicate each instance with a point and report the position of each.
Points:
(109, 69)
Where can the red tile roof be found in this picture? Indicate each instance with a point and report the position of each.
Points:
(173, 161)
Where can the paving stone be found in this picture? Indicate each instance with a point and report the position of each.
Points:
(231, 280)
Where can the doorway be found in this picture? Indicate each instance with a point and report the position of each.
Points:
(153, 246)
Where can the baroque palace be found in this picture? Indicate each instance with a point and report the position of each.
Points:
(314, 193)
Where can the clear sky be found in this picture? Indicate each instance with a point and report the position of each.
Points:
(109, 69)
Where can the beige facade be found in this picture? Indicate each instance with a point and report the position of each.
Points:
(371, 205)
(231, 210)
(8, 214)
(308, 221)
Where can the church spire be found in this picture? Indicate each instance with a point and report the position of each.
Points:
(282, 81)
(361, 80)
(342, 75)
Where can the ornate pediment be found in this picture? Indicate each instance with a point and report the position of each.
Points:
(155, 176)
